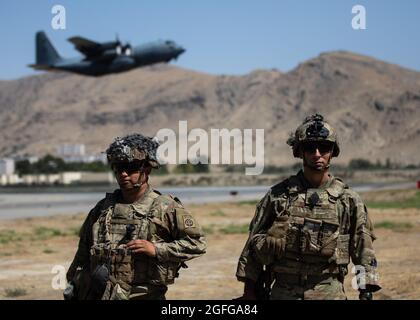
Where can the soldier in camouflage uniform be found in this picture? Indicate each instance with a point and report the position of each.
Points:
(135, 240)
(307, 227)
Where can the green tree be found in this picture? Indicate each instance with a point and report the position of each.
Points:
(49, 164)
(24, 167)
(361, 164)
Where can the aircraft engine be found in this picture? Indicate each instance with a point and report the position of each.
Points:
(110, 54)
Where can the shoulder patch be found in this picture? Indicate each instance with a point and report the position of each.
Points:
(188, 221)
(186, 224)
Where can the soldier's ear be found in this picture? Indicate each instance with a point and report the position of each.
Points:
(147, 170)
(300, 152)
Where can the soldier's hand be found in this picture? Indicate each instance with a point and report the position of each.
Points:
(142, 246)
(275, 246)
(276, 236)
(279, 227)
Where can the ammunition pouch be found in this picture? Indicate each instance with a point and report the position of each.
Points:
(341, 255)
(313, 248)
(116, 290)
(318, 238)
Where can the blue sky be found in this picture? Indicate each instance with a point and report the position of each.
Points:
(221, 37)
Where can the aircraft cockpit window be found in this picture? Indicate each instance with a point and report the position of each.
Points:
(170, 43)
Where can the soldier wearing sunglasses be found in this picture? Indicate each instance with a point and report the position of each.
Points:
(135, 240)
(307, 228)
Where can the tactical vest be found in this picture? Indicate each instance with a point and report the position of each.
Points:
(117, 225)
(317, 239)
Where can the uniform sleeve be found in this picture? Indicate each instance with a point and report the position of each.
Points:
(251, 262)
(82, 256)
(188, 238)
(361, 246)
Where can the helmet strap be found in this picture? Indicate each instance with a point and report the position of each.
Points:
(139, 183)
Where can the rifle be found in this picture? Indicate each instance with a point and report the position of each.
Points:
(263, 283)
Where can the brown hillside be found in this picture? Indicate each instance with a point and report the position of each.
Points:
(374, 105)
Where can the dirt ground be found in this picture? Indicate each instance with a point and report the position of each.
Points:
(31, 248)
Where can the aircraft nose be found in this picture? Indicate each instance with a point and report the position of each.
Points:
(180, 50)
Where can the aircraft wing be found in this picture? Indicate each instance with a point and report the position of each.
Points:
(88, 47)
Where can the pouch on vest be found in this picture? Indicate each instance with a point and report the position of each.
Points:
(293, 234)
(309, 240)
(341, 254)
(121, 266)
(328, 238)
(118, 293)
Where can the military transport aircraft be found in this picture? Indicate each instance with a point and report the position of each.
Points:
(103, 58)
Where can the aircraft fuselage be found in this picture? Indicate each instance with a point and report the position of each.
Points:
(103, 58)
(139, 56)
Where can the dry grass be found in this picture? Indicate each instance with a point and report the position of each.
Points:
(35, 245)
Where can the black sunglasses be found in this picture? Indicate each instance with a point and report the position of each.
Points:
(128, 167)
(323, 148)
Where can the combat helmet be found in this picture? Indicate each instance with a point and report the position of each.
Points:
(313, 128)
(133, 147)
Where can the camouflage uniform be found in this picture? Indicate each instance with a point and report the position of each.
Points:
(160, 219)
(302, 238)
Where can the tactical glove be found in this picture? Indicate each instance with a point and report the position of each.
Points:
(276, 236)
(68, 292)
(365, 295)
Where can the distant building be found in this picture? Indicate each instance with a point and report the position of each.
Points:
(77, 153)
(71, 150)
(7, 166)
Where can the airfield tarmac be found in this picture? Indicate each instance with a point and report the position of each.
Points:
(37, 244)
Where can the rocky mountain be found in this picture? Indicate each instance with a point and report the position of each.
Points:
(375, 106)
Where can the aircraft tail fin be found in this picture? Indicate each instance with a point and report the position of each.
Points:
(46, 55)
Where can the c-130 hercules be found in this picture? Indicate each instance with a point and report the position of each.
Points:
(103, 58)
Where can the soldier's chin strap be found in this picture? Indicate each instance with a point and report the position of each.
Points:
(329, 160)
(139, 183)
